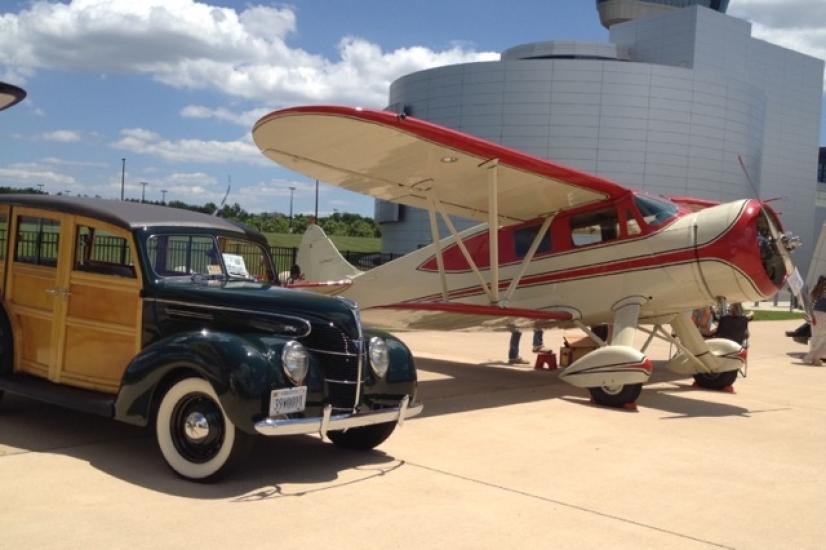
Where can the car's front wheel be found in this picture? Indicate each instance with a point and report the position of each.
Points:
(364, 438)
(196, 438)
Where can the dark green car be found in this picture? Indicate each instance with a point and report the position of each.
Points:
(153, 315)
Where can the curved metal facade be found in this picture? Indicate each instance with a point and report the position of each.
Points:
(677, 120)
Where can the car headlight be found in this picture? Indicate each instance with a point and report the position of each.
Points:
(379, 356)
(296, 361)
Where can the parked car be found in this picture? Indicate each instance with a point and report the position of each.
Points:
(165, 317)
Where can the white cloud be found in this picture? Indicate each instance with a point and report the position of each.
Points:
(80, 163)
(62, 136)
(799, 25)
(192, 44)
(145, 142)
(31, 174)
(245, 119)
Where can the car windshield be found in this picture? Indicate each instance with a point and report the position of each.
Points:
(655, 211)
(206, 257)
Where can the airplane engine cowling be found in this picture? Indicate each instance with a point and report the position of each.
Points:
(728, 356)
(608, 366)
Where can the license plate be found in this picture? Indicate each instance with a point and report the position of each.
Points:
(288, 400)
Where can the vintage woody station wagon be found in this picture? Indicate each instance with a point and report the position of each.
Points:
(165, 317)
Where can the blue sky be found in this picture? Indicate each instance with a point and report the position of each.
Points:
(174, 86)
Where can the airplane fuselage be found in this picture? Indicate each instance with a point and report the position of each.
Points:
(685, 263)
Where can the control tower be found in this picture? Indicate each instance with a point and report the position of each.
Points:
(612, 12)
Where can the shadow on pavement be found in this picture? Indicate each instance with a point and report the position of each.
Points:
(465, 386)
(276, 468)
(295, 466)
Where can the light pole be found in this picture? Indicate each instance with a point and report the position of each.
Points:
(163, 196)
(292, 190)
(122, 177)
(40, 187)
(316, 201)
(143, 185)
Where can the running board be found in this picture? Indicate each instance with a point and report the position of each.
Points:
(101, 404)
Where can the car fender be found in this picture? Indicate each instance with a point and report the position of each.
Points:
(241, 369)
(402, 367)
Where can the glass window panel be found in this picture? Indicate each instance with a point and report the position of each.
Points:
(38, 240)
(97, 251)
(523, 238)
(594, 227)
(4, 232)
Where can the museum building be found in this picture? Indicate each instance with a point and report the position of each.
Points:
(674, 104)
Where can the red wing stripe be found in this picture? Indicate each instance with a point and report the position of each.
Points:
(489, 311)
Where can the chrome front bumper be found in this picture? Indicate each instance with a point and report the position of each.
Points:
(328, 422)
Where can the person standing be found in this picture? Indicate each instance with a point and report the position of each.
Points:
(817, 343)
(513, 349)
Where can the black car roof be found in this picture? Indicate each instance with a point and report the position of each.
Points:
(127, 214)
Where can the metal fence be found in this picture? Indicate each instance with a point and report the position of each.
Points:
(41, 248)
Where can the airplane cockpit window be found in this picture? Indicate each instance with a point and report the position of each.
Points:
(632, 226)
(654, 211)
(523, 239)
(594, 227)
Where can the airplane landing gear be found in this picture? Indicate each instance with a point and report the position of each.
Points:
(617, 396)
(716, 380)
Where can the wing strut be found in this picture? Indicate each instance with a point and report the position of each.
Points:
(434, 231)
(543, 230)
(493, 227)
(462, 247)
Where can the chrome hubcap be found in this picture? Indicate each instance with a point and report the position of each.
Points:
(196, 426)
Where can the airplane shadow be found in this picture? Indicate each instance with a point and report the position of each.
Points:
(281, 467)
(460, 387)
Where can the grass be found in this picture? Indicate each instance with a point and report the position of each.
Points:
(349, 244)
(764, 315)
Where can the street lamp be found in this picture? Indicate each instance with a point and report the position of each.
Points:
(143, 185)
(40, 187)
(122, 177)
(292, 190)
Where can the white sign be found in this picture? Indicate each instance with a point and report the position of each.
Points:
(236, 266)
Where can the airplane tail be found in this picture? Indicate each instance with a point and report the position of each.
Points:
(319, 259)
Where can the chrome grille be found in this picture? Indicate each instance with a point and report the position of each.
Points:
(340, 359)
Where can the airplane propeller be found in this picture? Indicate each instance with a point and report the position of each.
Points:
(787, 243)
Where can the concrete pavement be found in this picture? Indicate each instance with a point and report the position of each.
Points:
(502, 457)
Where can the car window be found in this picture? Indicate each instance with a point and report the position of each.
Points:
(246, 259)
(4, 230)
(97, 251)
(38, 240)
(184, 255)
(594, 227)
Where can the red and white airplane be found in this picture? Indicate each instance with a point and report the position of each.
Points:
(558, 247)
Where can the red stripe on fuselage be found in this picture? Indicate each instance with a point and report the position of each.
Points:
(735, 246)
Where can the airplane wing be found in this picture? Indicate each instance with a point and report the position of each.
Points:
(461, 316)
(402, 159)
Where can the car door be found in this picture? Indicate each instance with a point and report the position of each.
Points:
(102, 319)
(32, 294)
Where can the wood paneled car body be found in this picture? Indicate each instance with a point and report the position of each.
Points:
(153, 315)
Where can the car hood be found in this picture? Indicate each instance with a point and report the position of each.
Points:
(249, 298)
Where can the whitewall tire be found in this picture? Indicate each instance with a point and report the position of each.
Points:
(196, 438)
